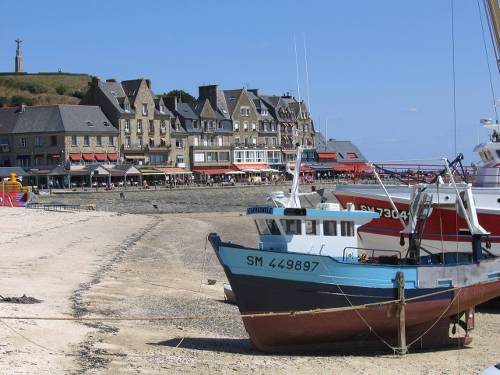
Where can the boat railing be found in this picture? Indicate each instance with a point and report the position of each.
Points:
(368, 254)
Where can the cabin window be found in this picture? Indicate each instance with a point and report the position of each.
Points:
(329, 228)
(292, 226)
(347, 228)
(267, 227)
(310, 227)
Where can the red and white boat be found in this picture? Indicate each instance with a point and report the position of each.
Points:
(384, 232)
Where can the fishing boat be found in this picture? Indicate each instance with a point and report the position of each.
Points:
(445, 231)
(307, 285)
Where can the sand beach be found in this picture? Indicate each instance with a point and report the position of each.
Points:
(117, 264)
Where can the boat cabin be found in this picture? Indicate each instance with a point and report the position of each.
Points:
(325, 230)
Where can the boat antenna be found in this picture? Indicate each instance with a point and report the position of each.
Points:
(294, 193)
(454, 78)
(307, 74)
(296, 68)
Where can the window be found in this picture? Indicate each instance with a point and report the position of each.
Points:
(245, 125)
(267, 227)
(236, 140)
(127, 126)
(329, 228)
(245, 111)
(106, 123)
(219, 124)
(211, 156)
(127, 107)
(195, 141)
(111, 140)
(139, 126)
(163, 127)
(292, 226)
(98, 140)
(53, 140)
(179, 159)
(224, 156)
(127, 142)
(195, 124)
(74, 140)
(219, 140)
(264, 111)
(253, 126)
(162, 108)
(236, 125)
(199, 157)
(254, 140)
(275, 141)
(86, 140)
(179, 143)
(38, 141)
(347, 228)
(260, 156)
(140, 141)
(144, 109)
(310, 227)
(151, 126)
(238, 156)
(249, 156)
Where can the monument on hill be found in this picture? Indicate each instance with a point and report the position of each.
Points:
(19, 57)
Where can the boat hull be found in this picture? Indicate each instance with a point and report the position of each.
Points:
(384, 232)
(291, 308)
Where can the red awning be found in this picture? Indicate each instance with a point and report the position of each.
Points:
(75, 157)
(303, 168)
(247, 166)
(112, 157)
(211, 171)
(100, 157)
(88, 157)
(327, 155)
(353, 167)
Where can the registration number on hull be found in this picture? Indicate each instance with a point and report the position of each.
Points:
(387, 213)
(282, 263)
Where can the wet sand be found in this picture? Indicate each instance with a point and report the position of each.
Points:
(104, 264)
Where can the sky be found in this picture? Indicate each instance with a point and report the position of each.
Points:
(380, 72)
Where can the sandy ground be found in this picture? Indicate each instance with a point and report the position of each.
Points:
(102, 264)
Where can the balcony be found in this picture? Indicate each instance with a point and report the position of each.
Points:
(159, 148)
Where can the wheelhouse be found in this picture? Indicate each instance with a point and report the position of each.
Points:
(325, 230)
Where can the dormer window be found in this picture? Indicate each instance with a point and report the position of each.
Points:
(126, 107)
(89, 123)
(106, 123)
(244, 111)
(162, 108)
(264, 112)
(163, 127)
(195, 124)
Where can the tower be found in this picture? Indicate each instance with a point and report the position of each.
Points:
(19, 57)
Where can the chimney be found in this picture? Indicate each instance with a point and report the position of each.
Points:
(111, 80)
(208, 92)
(94, 82)
(171, 102)
(21, 108)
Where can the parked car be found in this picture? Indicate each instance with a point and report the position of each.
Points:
(493, 370)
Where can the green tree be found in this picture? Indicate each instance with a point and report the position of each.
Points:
(18, 100)
(184, 96)
(61, 89)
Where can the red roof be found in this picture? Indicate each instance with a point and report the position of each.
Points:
(100, 157)
(75, 157)
(88, 157)
(112, 157)
(246, 166)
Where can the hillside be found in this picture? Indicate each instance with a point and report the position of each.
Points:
(42, 88)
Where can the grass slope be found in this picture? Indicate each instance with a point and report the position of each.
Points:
(42, 88)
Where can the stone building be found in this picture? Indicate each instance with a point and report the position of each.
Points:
(209, 134)
(142, 119)
(56, 135)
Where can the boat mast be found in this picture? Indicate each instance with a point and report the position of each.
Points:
(294, 193)
(493, 14)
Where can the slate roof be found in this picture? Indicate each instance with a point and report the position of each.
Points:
(131, 88)
(55, 118)
(231, 97)
(186, 110)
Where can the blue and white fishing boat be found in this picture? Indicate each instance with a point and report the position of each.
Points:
(306, 283)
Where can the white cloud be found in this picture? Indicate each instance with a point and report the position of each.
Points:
(412, 109)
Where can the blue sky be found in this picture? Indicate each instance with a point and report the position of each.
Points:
(379, 71)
